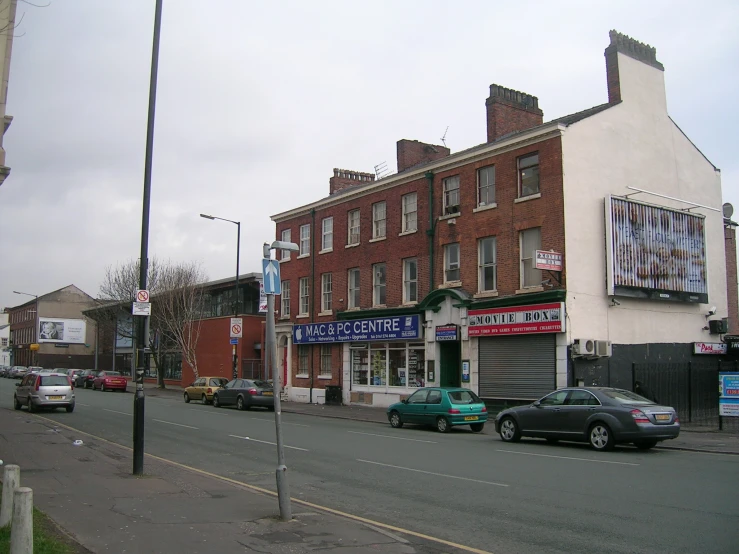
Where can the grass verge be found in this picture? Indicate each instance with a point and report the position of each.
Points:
(47, 537)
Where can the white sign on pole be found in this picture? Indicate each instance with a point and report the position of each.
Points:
(141, 308)
(262, 298)
(142, 296)
(237, 328)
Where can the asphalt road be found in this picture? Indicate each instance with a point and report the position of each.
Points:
(468, 488)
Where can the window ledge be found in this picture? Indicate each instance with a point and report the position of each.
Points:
(354, 309)
(282, 260)
(527, 198)
(302, 376)
(486, 294)
(530, 289)
(303, 256)
(285, 317)
(449, 216)
(379, 305)
(485, 207)
(413, 303)
(325, 377)
(404, 233)
(326, 251)
(378, 239)
(352, 245)
(302, 316)
(450, 284)
(321, 314)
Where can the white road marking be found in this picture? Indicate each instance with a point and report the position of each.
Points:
(267, 442)
(177, 424)
(569, 458)
(391, 437)
(116, 412)
(284, 422)
(81, 404)
(433, 473)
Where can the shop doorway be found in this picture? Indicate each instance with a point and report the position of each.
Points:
(449, 364)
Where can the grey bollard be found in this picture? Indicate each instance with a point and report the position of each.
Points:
(21, 531)
(11, 481)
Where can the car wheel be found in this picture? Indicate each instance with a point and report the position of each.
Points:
(395, 420)
(601, 437)
(102, 387)
(240, 403)
(477, 427)
(204, 399)
(216, 402)
(509, 430)
(70, 409)
(270, 408)
(31, 407)
(442, 424)
(645, 444)
(17, 405)
(187, 398)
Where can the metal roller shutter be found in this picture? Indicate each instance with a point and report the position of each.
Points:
(517, 367)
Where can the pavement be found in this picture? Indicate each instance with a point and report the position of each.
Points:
(88, 490)
(694, 439)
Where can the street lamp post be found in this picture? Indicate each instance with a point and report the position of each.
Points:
(236, 286)
(283, 487)
(34, 356)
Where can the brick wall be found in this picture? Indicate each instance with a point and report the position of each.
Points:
(731, 279)
(510, 111)
(411, 153)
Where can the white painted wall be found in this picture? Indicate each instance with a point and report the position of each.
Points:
(634, 144)
(4, 334)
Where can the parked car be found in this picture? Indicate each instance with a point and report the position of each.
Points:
(203, 389)
(109, 380)
(38, 390)
(85, 378)
(18, 372)
(441, 407)
(245, 393)
(602, 416)
(37, 369)
(3, 370)
(72, 374)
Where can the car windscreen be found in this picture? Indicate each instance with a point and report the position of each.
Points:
(625, 397)
(112, 373)
(218, 382)
(464, 397)
(53, 381)
(262, 384)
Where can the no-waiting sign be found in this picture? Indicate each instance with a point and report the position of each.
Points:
(142, 296)
(236, 327)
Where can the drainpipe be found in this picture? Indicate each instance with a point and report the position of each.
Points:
(312, 305)
(431, 229)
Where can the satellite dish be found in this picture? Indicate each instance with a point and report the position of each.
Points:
(728, 210)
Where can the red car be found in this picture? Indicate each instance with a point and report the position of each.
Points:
(109, 380)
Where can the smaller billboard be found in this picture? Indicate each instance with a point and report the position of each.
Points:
(53, 329)
(548, 260)
(517, 320)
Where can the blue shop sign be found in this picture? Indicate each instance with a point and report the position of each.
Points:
(406, 327)
(446, 332)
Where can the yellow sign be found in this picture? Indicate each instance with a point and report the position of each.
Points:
(34, 346)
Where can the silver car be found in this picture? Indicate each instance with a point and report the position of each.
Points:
(602, 416)
(50, 390)
(18, 372)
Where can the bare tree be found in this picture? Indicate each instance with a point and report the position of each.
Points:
(175, 290)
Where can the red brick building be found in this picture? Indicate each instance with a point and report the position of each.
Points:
(431, 275)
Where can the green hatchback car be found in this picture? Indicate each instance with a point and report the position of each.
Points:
(441, 407)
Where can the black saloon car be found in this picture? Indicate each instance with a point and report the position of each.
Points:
(245, 393)
(602, 416)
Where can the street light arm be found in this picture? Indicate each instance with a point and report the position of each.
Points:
(211, 217)
(26, 293)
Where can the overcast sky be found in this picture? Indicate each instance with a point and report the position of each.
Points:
(258, 101)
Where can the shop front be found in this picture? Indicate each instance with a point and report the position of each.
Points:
(383, 357)
(521, 350)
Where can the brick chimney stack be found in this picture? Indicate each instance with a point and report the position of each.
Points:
(413, 152)
(345, 178)
(510, 111)
(629, 47)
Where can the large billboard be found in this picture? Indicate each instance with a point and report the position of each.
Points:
(54, 329)
(655, 252)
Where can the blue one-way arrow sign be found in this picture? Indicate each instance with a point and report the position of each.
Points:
(271, 274)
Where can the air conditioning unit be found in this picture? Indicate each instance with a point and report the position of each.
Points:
(603, 348)
(584, 347)
(718, 326)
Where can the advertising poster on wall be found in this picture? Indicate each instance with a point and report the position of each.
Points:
(55, 329)
(517, 320)
(655, 252)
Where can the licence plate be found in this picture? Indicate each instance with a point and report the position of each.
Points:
(267, 394)
(471, 418)
(662, 417)
(56, 398)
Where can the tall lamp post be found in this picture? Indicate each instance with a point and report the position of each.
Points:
(34, 358)
(236, 286)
